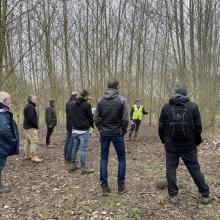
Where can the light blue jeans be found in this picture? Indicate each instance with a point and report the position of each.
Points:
(80, 141)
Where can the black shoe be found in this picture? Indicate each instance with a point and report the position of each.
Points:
(204, 200)
(105, 190)
(122, 190)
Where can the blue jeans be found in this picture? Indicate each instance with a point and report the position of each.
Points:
(119, 145)
(80, 141)
(2, 162)
(68, 146)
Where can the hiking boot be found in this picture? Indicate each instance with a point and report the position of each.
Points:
(86, 170)
(129, 136)
(204, 200)
(122, 190)
(105, 190)
(74, 167)
(26, 157)
(36, 159)
(3, 189)
(174, 199)
(135, 136)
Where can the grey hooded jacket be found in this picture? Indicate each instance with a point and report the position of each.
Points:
(111, 115)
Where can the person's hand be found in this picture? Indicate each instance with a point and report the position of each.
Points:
(132, 123)
(50, 126)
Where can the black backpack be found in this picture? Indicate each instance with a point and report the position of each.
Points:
(181, 124)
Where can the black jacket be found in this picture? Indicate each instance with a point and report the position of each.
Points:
(69, 113)
(30, 116)
(9, 137)
(82, 115)
(51, 117)
(164, 130)
(111, 116)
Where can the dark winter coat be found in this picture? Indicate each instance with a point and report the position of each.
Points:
(111, 115)
(82, 115)
(30, 116)
(51, 117)
(9, 137)
(164, 129)
(69, 113)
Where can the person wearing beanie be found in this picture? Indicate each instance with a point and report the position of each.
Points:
(180, 130)
(9, 136)
(136, 115)
(82, 122)
(50, 119)
(30, 126)
(69, 125)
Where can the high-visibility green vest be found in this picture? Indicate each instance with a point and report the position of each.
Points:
(138, 112)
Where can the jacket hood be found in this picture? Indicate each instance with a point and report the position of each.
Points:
(111, 93)
(3, 108)
(178, 98)
(80, 101)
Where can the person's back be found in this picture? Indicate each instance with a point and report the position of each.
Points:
(193, 129)
(30, 116)
(180, 130)
(110, 109)
(111, 118)
(69, 111)
(82, 115)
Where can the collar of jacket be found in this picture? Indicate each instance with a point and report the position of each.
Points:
(32, 103)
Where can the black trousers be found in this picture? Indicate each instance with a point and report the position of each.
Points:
(49, 133)
(190, 159)
(136, 125)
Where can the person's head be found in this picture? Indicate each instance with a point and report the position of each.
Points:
(138, 102)
(89, 100)
(32, 99)
(5, 98)
(181, 90)
(114, 84)
(52, 102)
(84, 94)
(75, 95)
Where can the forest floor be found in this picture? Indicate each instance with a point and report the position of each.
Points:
(48, 191)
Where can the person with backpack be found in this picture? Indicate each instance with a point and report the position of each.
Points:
(82, 122)
(9, 137)
(180, 130)
(69, 127)
(30, 126)
(51, 120)
(136, 115)
(111, 118)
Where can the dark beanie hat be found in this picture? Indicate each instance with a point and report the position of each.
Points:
(52, 101)
(181, 90)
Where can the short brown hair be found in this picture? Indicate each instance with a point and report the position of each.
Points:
(113, 84)
(84, 93)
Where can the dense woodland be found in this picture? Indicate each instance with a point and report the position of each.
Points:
(52, 47)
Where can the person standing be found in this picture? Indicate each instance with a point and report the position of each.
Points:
(51, 120)
(180, 130)
(9, 137)
(136, 116)
(111, 119)
(82, 122)
(30, 126)
(69, 127)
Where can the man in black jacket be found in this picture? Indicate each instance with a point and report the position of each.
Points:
(51, 120)
(82, 122)
(111, 118)
(30, 126)
(180, 130)
(9, 137)
(69, 127)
